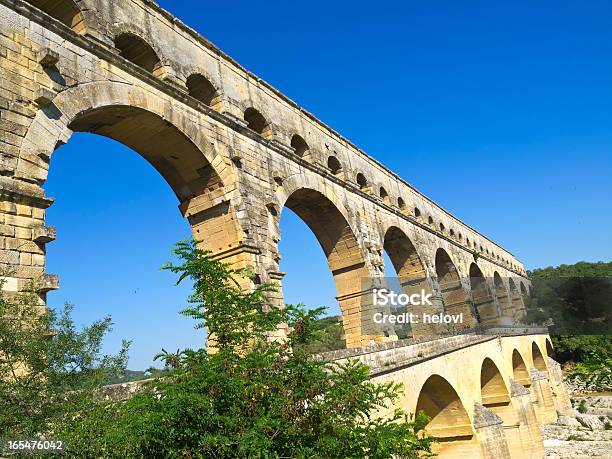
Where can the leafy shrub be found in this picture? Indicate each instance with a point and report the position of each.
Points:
(48, 369)
(248, 396)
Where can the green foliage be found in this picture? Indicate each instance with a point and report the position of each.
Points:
(328, 335)
(582, 348)
(580, 269)
(48, 369)
(250, 396)
(578, 298)
(582, 407)
(576, 437)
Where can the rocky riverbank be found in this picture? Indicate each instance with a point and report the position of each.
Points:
(587, 435)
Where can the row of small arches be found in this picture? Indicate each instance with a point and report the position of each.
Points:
(130, 46)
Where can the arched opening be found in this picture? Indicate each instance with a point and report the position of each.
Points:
(519, 369)
(257, 123)
(117, 220)
(518, 307)
(430, 220)
(454, 298)
(442, 228)
(362, 182)
(494, 392)
(550, 351)
(65, 11)
(296, 240)
(524, 291)
(344, 259)
(401, 204)
(383, 194)
(136, 50)
(334, 165)
(452, 233)
(300, 147)
(411, 277)
(502, 298)
(417, 213)
(496, 398)
(201, 88)
(176, 158)
(484, 304)
(449, 422)
(538, 359)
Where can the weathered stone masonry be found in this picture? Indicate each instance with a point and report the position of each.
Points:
(236, 152)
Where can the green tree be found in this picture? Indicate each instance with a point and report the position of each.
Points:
(578, 299)
(48, 368)
(252, 396)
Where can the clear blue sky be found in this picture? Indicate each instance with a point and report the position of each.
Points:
(502, 113)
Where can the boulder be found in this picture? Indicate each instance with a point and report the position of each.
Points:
(590, 421)
(568, 421)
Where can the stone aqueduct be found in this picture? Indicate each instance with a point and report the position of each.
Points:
(236, 152)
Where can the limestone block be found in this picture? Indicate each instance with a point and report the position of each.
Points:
(44, 234)
(47, 57)
(49, 282)
(590, 421)
(43, 97)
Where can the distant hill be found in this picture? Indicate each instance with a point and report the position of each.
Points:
(580, 269)
(577, 297)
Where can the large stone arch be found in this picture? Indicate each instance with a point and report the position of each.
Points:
(516, 300)
(524, 290)
(454, 297)
(412, 276)
(170, 140)
(501, 292)
(449, 419)
(328, 219)
(51, 125)
(542, 394)
(484, 303)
